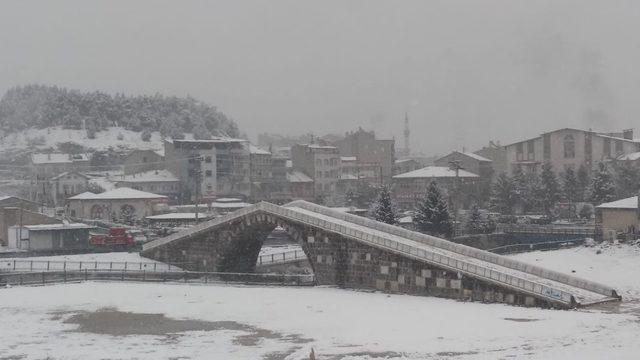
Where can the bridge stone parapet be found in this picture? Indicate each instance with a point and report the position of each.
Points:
(355, 252)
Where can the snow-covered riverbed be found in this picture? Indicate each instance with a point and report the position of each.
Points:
(237, 322)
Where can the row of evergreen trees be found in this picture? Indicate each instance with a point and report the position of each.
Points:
(543, 192)
(431, 215)
(46, 106)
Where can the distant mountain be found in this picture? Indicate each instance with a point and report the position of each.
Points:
(38, 106)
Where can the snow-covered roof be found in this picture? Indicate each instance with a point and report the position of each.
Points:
(148, 176)
(325, 147)
(628, 203)
(116, 194)
(352, 210)
(257, 151)
(229, 205)
(435, 172)
(179, 216)
(630, 157)
(348, 177)
(57, 158)
(214, 139)
(298, 177)
(228, 200)
(400, 161)
(476, 156)
(48, 227)
(70, 173)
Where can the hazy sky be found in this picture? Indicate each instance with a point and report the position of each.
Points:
(465, 71)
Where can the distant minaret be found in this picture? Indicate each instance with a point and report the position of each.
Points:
(407, 132)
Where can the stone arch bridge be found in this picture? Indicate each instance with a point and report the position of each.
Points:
(355, 252)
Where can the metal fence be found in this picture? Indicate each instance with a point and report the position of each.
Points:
(47, 265)
(189, 277)
(281, 258)
(548, 245)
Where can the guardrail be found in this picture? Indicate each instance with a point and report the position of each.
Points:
(47, 265)
(549, 245)
(281, 258)
(189, 277)
(549, 229)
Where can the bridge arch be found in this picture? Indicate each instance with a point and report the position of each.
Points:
(355, 252)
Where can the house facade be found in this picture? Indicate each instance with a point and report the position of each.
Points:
(375, 155)
(64, 186)
(221, 166)
(567, 147)
(471, 162)
(321, 163)
(161, 182)
(408, 189)
(139, 161)
(119, 205)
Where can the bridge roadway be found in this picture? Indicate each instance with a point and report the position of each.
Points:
(555, 287)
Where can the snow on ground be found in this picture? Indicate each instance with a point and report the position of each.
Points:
(285, 323)
(132, 257)
(616, 265)
(338, 324)
(277, 249)
(50, 137)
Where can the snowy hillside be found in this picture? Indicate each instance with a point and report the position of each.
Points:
(116, 137)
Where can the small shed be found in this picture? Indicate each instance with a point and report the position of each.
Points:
(620, 215)
(65, 236)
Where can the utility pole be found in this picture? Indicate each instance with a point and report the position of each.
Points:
(196, 171)
(456, 166)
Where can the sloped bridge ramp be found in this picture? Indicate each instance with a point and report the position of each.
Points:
(355, 252)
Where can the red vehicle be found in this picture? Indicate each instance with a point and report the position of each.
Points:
(117, 237)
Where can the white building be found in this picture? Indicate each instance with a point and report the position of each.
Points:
(121, 204)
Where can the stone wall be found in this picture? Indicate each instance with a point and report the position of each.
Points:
(335, 260)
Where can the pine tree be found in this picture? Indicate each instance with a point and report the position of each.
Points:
(584, 180)
(570, 186)
(550, 189)
(602, 188)
(432, 215)
(504, 194)
(627, 179)
(146, 135)
(522, 186)
(474, 221)
(383, 211)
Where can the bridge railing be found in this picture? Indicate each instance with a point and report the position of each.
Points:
(14, 265)
(460, 249)
(190, 277)
(281, 258)
(443, 261)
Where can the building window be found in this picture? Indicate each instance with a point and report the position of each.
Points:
(326, 162)
(569, 147)
(207, 159)
(619, 148)
(207, 173)
(531, 150)
(607, 147)
(144, 159)
(519, 151)
(318, 162)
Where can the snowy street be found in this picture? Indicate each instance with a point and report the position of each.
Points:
(75, 321)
